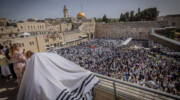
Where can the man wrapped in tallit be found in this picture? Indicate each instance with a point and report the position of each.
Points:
(49, 76)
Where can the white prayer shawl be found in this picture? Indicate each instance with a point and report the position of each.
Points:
(49, 76)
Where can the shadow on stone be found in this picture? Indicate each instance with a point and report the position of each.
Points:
(8, 89)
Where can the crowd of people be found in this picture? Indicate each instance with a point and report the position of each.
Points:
(12, 62)
(133, 62)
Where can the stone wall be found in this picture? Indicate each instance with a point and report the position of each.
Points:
(87, 27)
(6, 30)
(65, 27)
(137, 30)
(31, 26)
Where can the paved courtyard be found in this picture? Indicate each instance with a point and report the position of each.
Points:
(8, 90)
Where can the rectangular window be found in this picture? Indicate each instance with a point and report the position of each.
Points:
(60, 38)
(19, 44)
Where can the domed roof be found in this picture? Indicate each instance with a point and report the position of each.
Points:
(81, 15)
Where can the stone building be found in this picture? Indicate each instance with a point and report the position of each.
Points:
(3, 21)
(173, 20)
(64, 27)
(44, 35)
(45, 42)
(31, 26)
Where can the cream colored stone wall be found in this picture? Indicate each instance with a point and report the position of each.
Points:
(31, 26)
(88, 27)
(3, 21)
(42, 43)
(53, 28)
(71, 36)
(6, 30)
(28, 43)
(53, 41)
(65, 27)
(46, 36)
(137, 30)
(35, 44)
(74, 38)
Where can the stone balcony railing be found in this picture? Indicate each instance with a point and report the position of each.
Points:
(113, 89)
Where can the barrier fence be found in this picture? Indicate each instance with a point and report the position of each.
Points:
(125, 90)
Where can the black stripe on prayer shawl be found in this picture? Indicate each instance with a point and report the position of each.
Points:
(69, 95)
(61, 94)
(74, 91)
(82, 87)
(79, 89)
(64, 95)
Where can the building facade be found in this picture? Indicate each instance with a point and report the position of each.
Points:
(44, 35)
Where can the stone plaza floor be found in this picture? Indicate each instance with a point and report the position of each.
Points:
(8, 89)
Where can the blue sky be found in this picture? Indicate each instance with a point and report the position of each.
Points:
(23, 9)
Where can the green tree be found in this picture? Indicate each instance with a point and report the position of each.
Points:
(132, 16)
(98, 19)
(147, 14)
(127, 16)
(105, 19)
(121, 17)
(95, 19)
(139, 10)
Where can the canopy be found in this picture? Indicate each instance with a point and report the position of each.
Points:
(24, 34)
(126, 41)
(49, 76)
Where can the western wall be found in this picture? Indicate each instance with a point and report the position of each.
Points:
(137, 30)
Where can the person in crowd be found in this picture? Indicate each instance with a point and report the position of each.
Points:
(1, 47)
(24, 52)
(7, 54)
(4, 65)
(28, 54)
(132, 62)
(19, 61)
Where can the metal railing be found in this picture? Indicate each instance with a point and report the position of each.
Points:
(126, 90)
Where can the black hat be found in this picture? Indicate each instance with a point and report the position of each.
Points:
(1, 47)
